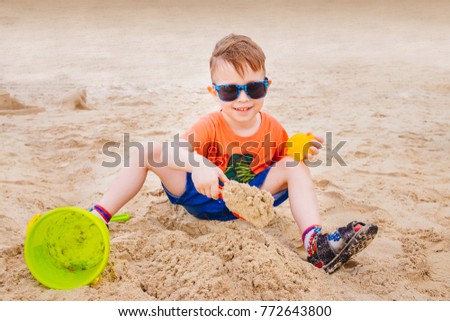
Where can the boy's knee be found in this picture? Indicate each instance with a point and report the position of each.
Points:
(290, 164)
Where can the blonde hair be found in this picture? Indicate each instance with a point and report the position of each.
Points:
(239, 51)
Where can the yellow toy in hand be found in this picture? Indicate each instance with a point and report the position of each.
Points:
(297, 145)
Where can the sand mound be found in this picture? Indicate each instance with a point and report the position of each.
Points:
(12, 106)
(249, 202)
(76, 99)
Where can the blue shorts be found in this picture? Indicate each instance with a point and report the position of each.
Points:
(207, 208)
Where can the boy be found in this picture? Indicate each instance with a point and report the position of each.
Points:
(242, 143)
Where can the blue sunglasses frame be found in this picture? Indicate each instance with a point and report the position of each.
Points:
(266, 83)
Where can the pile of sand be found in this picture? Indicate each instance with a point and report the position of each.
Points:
(249, 202)
(76, 99)
(12, 106)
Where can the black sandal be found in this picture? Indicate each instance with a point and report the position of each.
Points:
(355, 241)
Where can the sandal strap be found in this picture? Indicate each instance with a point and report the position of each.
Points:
(347, 232)
(324, 252)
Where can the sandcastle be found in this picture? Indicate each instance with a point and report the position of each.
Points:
(76, 99)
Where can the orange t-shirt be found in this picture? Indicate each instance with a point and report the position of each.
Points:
(241, 158)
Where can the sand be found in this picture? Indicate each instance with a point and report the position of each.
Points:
(249, 203)
(12, 106)
(75, 99)
(374, 73)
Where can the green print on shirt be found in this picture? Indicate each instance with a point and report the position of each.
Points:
(238, 168)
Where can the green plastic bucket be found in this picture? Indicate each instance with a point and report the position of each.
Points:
(66, 248)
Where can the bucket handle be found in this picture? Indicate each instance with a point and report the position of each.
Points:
(123, 217)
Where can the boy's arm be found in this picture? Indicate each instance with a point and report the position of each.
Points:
(180, 155)
(205, 174)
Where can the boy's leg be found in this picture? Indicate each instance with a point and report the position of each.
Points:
(329, 251)
(131, 178)
(295, 176)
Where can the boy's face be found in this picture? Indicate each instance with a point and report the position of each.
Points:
(243, 110)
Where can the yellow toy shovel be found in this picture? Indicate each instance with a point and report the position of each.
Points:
(297, 146)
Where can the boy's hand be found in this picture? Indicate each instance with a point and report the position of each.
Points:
(313, 150)
(206, 179)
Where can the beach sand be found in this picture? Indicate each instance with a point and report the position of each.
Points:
(249, 203)
(374, 74)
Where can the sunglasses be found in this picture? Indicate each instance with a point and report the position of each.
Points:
(254, 90)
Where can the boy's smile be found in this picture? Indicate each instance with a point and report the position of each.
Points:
(243, 112)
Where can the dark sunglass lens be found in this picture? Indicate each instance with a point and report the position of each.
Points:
(256, 90)
(228, 93)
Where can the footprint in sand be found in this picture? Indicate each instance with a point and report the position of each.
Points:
(359, 154)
